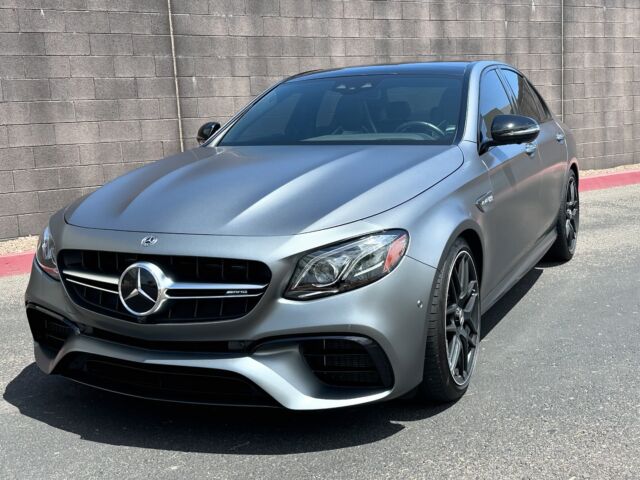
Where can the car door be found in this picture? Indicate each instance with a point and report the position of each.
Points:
(513, 219)
(552, 149)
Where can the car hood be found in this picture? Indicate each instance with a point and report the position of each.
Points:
(272, 190)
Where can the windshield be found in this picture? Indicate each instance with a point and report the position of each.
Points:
(375, 109)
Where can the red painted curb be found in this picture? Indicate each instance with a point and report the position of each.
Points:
(610, 180)
(20, 263)
(16, 264)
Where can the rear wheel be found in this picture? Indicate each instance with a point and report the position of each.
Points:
(453, 329)
(568, 222)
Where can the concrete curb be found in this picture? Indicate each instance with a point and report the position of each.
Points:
(20, 263)
(610, 180)
(15, 264)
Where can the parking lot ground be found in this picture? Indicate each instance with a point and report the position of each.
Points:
(556, 395)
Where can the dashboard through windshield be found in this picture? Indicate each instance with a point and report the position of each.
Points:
(365, 109)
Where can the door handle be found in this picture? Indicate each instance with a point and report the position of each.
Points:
(560, 137)
(530, 148)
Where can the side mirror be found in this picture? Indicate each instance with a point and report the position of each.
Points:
(511, 129)
(206, 131)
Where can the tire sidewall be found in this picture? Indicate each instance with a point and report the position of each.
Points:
(437, 315)
(565, 251)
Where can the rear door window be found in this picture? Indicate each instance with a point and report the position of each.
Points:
(526, 102)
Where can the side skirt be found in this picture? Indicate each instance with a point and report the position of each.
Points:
(529, 262)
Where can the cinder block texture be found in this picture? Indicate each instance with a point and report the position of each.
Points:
(87, 89)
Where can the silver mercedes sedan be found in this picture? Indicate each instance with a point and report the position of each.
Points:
(335, 243)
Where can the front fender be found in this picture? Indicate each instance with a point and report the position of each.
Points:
(437, 217)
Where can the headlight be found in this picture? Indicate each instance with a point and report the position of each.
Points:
(345, 266)
(46, 254)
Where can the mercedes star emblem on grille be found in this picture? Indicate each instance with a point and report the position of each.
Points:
(149, 240)
(140, 288)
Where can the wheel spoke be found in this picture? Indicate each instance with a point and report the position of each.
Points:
(473, 325)
(470, 305)
(470, 318)
(571, 233)
(464, 277)
(464, 367)
(457, 284)
(571, 192)
(471, 341)
(451, 309)
(471, 289)
(454, 285)
(454, 352)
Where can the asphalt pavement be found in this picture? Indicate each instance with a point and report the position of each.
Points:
(556, 395)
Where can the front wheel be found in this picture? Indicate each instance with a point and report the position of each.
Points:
(453, 327)
(567, 223)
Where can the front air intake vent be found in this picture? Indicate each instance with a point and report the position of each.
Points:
(348, 362)
(48, 329)
(164, 382)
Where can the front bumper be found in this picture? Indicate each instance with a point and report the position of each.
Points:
(389, 312)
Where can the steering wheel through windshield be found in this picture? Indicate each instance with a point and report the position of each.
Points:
(425, 126)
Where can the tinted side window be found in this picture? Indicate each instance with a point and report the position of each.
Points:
(544, 109)
(493, 101)
(526, 102)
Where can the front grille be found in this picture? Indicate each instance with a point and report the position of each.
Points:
(91, 279)
(348, 362)
(164, 382)
(48, 330)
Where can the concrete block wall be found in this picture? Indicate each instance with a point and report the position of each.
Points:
(87, 89)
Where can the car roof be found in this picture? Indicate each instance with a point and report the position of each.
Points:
(416, 68)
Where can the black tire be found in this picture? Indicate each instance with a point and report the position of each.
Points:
(568, 222)
(438, 382)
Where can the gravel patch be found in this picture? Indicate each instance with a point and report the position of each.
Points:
(604, 171)
(18, 245)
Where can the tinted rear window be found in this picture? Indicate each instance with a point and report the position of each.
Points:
(385, 109)
(526, 102)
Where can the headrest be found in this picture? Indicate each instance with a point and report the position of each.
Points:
(398, 110)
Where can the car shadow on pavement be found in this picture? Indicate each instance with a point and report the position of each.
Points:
(498, 311)
(108, 418)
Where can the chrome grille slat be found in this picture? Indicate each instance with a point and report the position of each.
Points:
(112, 280)
(71, 280)
(217, 286)
(175, 286)
(195, 297)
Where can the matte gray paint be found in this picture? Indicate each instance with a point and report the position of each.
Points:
(272, 190)
(431, 194)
